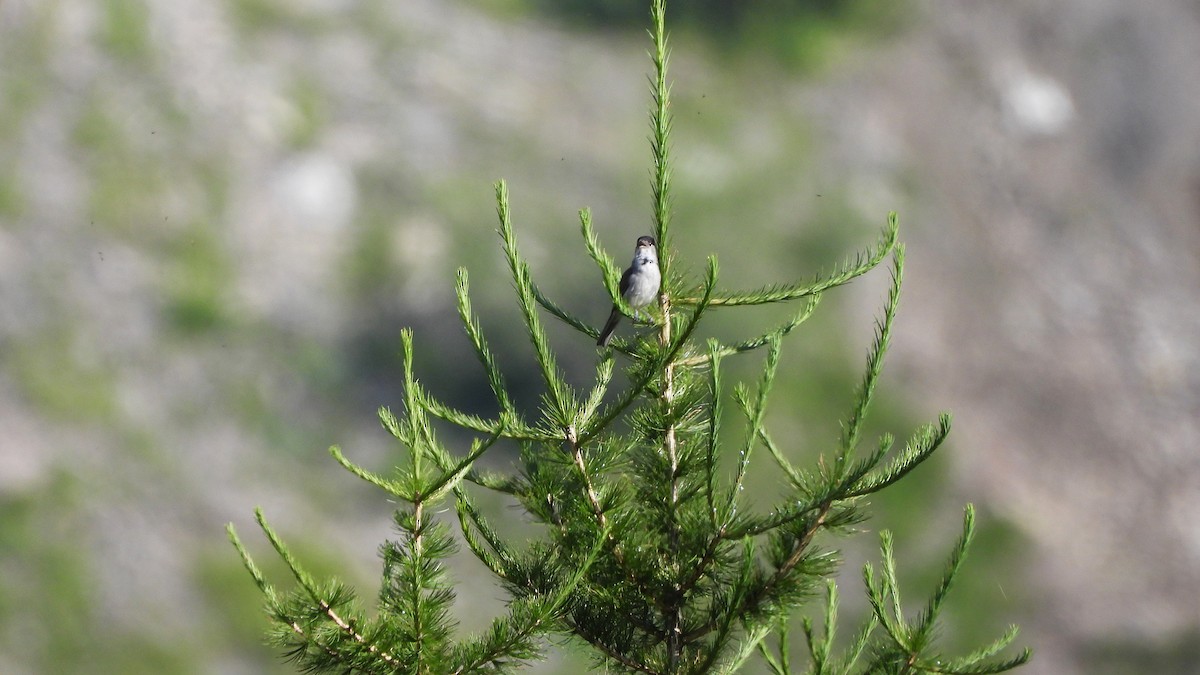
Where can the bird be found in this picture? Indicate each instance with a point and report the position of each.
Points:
(639, 284)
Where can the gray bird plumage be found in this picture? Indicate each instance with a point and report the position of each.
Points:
(639, 284)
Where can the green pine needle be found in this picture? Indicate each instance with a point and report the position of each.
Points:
(508, 412)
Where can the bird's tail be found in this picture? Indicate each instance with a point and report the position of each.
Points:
(607, 331)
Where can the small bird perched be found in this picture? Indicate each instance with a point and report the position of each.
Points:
(639, 284)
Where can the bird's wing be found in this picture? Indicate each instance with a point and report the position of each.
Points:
(623, 287)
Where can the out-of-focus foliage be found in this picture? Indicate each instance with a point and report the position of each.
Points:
(797, 32)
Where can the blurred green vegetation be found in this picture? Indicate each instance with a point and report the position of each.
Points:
(48, 593)
(125, 32)
(308, 99)
(197, 282)
(62, 378)
(1177, 655)
(127, 178)
(797, 33)
(251, 17)
(12, 201)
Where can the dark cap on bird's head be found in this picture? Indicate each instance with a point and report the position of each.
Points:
(646, 240)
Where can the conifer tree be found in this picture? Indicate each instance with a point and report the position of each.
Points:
(650, 557)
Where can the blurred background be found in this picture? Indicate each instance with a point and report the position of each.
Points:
(215, 218)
